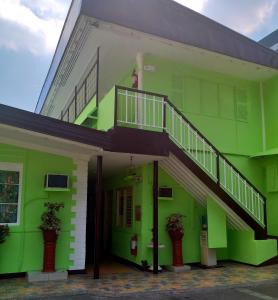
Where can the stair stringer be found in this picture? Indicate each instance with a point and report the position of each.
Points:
(199, 190)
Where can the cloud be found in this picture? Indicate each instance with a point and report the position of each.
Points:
(245, 17)
(197, 5)
(31, 25)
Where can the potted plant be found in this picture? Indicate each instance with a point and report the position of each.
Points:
(4, 232)
(175, 229)
(51, 226)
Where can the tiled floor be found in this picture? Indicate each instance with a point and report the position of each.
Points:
(129, 282)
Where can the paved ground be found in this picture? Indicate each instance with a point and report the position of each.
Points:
(232, 281)
(266, 291)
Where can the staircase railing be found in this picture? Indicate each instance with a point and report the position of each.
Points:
(152, 111)
(83, 92)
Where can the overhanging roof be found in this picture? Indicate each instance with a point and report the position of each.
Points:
(52, 127)
(166, 19)
(270, 40)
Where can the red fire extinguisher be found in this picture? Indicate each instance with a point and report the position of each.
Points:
(133, 245)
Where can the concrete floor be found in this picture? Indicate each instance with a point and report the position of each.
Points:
(231, 281)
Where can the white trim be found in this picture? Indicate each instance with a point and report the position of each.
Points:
(23, 138)
(17, 168)
(274, 47)
(262, 115)
(79, 221)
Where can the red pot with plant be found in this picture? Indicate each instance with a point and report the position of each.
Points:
(175, 229)
(51, 226)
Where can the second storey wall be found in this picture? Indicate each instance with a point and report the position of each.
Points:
(224, 108)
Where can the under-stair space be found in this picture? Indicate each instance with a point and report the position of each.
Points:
(199, 167)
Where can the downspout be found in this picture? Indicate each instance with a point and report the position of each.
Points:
(262, 115)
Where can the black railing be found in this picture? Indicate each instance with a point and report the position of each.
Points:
(83, 93)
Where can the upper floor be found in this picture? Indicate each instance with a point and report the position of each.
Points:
(224, 83)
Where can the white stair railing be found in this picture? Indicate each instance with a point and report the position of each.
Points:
(150, 111)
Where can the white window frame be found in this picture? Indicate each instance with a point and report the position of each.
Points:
(16, 168)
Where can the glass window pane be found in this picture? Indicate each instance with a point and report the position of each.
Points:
(9, 193)
(9, 177)
(8, 213)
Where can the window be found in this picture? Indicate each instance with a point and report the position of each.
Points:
(10, 187)
(124, 209)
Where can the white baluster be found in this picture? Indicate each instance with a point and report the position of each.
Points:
(189, 142)
(245, 193)
(232, 183)
(145, 110)
(259, 206)
(126, 106)
(154, 112)
(173, 122)
(238, 183)
(211, 162)
(196, 145)
(204, 153)
(181, 139)
(224, 172)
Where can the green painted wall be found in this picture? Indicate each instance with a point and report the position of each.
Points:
(217, 225)
(211, 101)
(106, 111)
(243, 248)
(270, 91)
(91, 107)
(182, 203)
(120, 245)
(23, 250)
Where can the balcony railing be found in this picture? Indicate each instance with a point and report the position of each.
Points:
(151, 111)
(83, 93)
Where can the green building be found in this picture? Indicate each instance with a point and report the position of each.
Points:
(144, 97)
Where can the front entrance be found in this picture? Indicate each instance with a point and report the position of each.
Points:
(108, 263)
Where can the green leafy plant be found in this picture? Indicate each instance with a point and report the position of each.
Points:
(4, 232)
(174, 223)
(50, 221)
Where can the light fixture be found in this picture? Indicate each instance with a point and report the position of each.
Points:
(131, 173)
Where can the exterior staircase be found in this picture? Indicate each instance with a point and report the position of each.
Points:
(194, 162)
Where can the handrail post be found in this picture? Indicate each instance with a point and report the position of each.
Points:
(116, 108)
(97, 81)
(218, 168)
(85, 90)
(265, 214)
(164, 113)
(75, 102)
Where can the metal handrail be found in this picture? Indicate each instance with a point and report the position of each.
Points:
(215, 173)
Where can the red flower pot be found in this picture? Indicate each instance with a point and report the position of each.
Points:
(176, 237)
(50, 238)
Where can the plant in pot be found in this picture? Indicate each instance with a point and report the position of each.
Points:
(175, 228)
(4, 232)
(51, 226)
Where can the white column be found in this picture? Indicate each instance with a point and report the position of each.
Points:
(140, 72)
(140, 69)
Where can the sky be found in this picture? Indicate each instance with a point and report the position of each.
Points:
(30, 29)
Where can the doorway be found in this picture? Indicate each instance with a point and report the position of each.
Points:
(109, 264)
